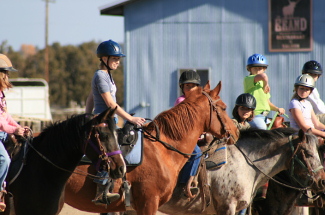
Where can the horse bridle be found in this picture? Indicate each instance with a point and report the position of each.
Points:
(102, 155)
(213, 108)
(294, 158)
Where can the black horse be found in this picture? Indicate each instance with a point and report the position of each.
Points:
(53, 156)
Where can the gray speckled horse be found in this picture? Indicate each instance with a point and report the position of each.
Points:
(234, 185)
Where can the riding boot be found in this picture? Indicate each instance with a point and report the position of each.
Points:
(103, 196)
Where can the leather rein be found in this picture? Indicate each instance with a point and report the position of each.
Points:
(294, 158)
(213, 108)
(102, 156)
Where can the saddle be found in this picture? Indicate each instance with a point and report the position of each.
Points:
(279, 122)
(215, 158)
(17, 149)
(128, 135)
(13, 146)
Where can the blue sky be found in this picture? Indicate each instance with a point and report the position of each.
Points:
(71, 22)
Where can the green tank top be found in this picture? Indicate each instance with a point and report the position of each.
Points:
(256, 89)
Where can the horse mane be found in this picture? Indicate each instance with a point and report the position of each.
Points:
(267, 134)
(177, 121)
(63, 131)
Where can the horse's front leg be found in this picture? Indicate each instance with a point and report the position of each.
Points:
(147, 206)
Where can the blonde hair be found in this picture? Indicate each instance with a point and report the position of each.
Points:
(4, 81)
(101, 66)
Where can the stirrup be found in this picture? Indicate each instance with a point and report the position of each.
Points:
(105, 199)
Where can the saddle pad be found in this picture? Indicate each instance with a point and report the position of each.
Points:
(134, 158)
(218, 158)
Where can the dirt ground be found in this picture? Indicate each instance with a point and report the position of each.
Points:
(67, 210)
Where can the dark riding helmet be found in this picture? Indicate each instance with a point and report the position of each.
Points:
(312, 67)
(109, 48)
(305, 80)
(189, 76)
(256, 60)
(5, 64)
(246, 100)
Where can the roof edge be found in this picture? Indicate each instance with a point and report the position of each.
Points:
(114, 8)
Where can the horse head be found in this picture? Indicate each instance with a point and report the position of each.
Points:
(306, 155)
(102, 147)
(218, 123)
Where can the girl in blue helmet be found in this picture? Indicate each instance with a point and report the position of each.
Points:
(103, 94)
(257, 84)
(102, 97)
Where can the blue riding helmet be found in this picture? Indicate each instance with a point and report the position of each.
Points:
(312, 67)
(109, 48)
(256, 60)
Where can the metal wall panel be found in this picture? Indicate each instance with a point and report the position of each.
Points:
(163, 36)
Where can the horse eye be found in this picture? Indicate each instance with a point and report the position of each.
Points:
(308, 154)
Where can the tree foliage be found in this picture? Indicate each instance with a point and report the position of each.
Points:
(71, 69)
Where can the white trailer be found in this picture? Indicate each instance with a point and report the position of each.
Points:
(28, 102)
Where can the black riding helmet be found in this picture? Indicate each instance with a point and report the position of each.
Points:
(312, 67)
(189, 77)
(246, 100)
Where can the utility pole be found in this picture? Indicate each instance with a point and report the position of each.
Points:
(46, 53)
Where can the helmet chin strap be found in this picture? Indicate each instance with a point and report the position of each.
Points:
(108, 69)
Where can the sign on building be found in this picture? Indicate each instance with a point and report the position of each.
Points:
(290, 25)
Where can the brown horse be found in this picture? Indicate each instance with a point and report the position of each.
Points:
(36, 180)
(171, 133)
(282, 200)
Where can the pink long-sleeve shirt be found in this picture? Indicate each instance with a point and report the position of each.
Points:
(7, 123)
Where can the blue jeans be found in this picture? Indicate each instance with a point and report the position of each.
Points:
(4, 160)
(191, 166)
(259, 121)
(242, 212)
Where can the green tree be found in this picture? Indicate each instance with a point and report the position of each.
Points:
(71, 69)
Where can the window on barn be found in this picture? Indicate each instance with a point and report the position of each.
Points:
(204, 75)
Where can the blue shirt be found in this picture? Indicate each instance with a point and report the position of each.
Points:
(100, 84)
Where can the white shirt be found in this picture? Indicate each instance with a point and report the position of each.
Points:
(316, 102)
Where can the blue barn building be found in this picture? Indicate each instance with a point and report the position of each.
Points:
(215, 38)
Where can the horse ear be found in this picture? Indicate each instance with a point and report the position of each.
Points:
(302, 135)
(207, 86)
(217, 89)
(109, 113)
